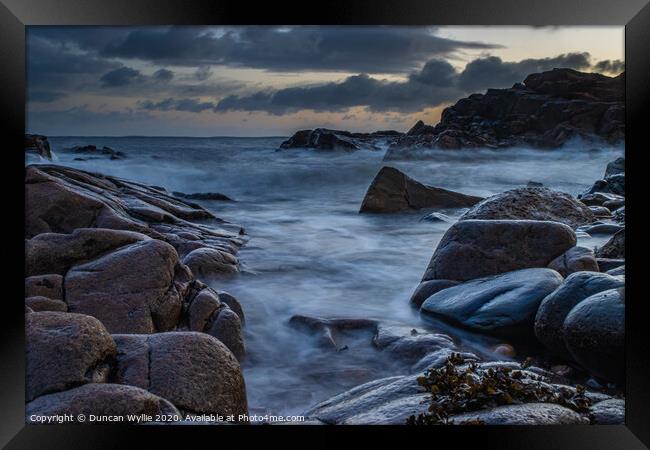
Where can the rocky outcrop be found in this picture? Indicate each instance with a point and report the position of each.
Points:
(478, 248)
(546, 111)
(614, 248)
(553, 310)
(393, 191)
(532, 203)
(38, 145)
(575, 259)
(324, 139)
(501, 305)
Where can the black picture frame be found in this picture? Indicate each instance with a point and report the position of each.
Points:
(16, 14)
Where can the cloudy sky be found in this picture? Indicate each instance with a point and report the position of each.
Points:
(272, 81)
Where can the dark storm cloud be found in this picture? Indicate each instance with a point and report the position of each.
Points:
(282, 49)
(163, 75)
(121, 77)
(611, 66)
(435, 84)
(171, 104)
(495, 73)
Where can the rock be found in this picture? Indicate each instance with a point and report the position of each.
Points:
(609, 412)
(409, 344)
(534, 184)
(194, 371)
(326, 330)
(606, 264)
(437, 217)
(204, 196)
(554, 308)
(601, 228)
(427, 288)
(524, 414)
(600, 198)
(532, 204)
(54, 253)
(594, 334)
(384, 401)
(478, 248)
(617, 271)
(393, 191)
(64, 350)
(601, 212)
(100, 201)
(614, 248)
(546, 111)
(202, 308)
(576, 259)
(616, 166)
(233, 304)
(94, 151)
(613, 205)
(135, 289)
(439, 358)
(100, 400)
(612, 184)
(40, 303)
(324, 139)
(226, 327)
(500, 305)
(38, 144)
(207, 263)
(50, 286)
(619, 215)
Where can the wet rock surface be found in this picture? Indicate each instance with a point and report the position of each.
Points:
(393, 191)
(325, 139)
(38, 144)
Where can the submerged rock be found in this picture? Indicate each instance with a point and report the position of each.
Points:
(537, 203)
(500, 305)
(93, 150)
(204, 196)
(553, 310)
(478, 248)
(393, 191)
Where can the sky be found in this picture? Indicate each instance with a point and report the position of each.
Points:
(273, 81)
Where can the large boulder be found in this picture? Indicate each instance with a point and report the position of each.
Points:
(135, 289)
(554, 309)
(616, 166)
(393, 191)
(50, 286)
(100, 400)
(55, 253)
(575, 259)
(409, 344)
(64, 350)
(325, 139)
(194, 371)
(500, 305)
(427, 288)
(594, 334)
(609, 412)
(532, 203)
(611, 184)
(226, 327)
(479, 248)
(40, 303)
(207, 263)
(614, 248)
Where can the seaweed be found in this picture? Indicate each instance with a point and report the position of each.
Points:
(461, 386)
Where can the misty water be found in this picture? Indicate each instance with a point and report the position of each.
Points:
(311, 253)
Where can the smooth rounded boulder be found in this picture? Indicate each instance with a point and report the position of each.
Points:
(473, 249)
(500, 305)
(100, 400)
(50, 286)
(532, 203)
(553, 310)
(594, 334)
(135, 289)
(194, 371)
(575, 259)
(64, 350)
(427, 288)
(206, 263)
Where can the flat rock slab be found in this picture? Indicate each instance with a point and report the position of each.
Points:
(478, 248)
(502, 305)
(524, 414)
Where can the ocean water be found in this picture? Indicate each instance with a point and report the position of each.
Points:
(311, 253)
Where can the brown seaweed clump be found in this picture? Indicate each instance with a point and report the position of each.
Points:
(460, 387)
